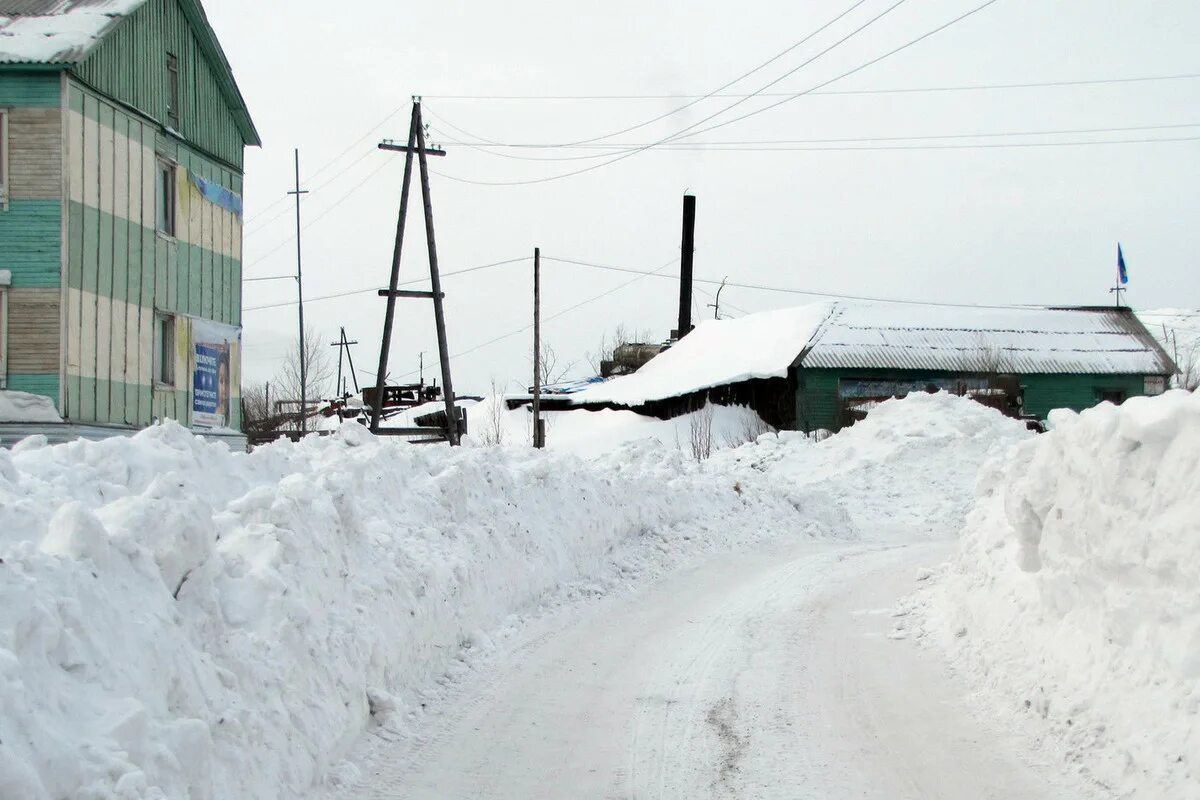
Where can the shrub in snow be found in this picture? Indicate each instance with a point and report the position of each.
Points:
(1075, 596)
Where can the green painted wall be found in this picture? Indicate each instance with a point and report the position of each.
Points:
(35, 383)
(818, 405)
(121, 270)
(21, 87)
(30, 242)
(1043, 393)
(149, 270)
(130, 65)
(816, 399)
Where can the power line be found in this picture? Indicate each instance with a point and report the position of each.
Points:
(729, 107)
(776, 144)
(382, 165)
(979, 146)
(263, 225)
(375, 288)
(333, 161)
(555, 315)
(859, 68)
(685, 132)
(701, 98)
(787, 290)
(895, 90)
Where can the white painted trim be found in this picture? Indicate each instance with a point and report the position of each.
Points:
(4, 289)
(5, 178)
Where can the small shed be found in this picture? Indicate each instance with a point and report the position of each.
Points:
(822, 366)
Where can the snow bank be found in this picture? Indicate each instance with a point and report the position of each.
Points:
(907, 469)
(179, 620)
(1074, 600)
(25, 407)
(716, 353)
(593, 433)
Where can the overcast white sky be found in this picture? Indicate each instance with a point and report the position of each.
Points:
(985, 225)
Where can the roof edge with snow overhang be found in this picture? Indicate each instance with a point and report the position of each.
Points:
(63, 33)
(1033, 340)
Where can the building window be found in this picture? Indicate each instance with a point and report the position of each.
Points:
(1114, 396)
(4, 157)
(164, 194)
(164, 349)
(173, 91)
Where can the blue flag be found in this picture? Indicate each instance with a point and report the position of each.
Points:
(1121, 273)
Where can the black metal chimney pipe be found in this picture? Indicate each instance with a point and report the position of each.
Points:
(685, 265)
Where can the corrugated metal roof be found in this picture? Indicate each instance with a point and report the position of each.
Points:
(1022, 341)
(57, 31)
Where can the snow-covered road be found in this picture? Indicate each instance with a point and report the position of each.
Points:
(761, 675)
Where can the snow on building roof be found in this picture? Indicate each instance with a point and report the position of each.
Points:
(57, 31)
(960, 339)
(888, 336)
(716, 353)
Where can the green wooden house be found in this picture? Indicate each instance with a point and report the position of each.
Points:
(121, 162)
(824, 365)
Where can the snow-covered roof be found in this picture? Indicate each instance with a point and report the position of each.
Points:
(716, 353)
(890, 336)
(57, 31)
(1018, 340)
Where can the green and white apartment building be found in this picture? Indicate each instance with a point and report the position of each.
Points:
(121, 162)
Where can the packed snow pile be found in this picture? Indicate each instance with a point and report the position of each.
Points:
(178, 620)
(26, 407)
(593, 433)
(908, 468)
(1074, 600)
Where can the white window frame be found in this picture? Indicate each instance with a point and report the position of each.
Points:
(164, 321)
(164, 166)
(4, 181)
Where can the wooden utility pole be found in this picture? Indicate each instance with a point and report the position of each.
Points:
(343, 347)
(390, 315)
(539, 432)
(416, 146)
(300, 295)
(435, 283)
(686, 249)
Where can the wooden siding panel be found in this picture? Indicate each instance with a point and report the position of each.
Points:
(35, 153)
(43, 383)
(131, 66)
(34, 325)
(31, 242)
(30, 89)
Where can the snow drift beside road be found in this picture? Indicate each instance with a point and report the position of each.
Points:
(1075, 598)
(181, 621)
(177, 620)
(907, 469)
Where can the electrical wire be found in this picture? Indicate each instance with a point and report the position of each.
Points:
(689, 132)
(896, 90)
(777, 144)
(693, 102)
(553, 316)
(730, 107)
(787, 290)
(330, 163)
(375, 288)
(289, 241)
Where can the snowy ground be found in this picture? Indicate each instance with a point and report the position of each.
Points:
(354, 617)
